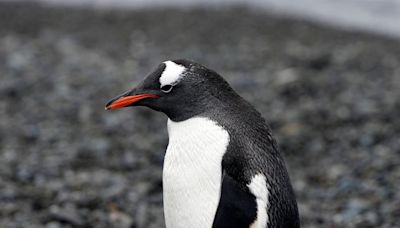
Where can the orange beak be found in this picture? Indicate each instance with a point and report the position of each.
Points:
(128, 100)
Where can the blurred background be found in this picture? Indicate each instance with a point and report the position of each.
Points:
(325, 74)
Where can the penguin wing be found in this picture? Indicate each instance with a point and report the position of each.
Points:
(237, 206)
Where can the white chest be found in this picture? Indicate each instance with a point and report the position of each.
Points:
(192, 172)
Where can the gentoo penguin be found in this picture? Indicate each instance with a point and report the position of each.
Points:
(222, 168)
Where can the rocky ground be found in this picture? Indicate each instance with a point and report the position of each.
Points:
(331, 97)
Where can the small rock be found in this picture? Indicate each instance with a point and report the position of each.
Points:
(67, 214)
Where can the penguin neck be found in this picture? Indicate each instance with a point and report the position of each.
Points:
(210, 105)
(192, 172)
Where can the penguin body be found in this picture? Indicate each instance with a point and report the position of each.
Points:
(192, 172)
(222, 167)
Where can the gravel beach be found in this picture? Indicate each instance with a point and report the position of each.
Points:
(330, 96)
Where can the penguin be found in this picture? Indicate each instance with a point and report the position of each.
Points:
(222, 167)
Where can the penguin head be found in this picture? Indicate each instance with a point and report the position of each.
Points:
(179, 88)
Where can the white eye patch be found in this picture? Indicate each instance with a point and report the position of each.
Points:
(172, 73)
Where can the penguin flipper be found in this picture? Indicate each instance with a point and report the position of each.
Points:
(237, 206)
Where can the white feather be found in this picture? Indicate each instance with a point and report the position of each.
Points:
(192, 172)
(258, 186)
(171, 74)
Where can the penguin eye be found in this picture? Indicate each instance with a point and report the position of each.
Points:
(166, 88)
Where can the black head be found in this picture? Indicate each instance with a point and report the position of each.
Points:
(180, 88)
